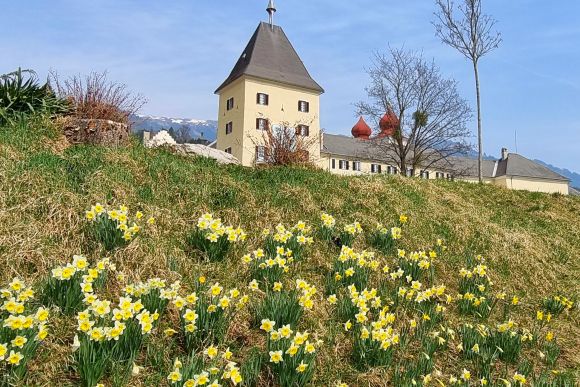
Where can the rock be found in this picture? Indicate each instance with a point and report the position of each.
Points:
(205, 151)
(164, 139)
(160, 139)
(94, 131)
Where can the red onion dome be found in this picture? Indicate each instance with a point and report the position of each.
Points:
(389, 123)
(361, 130)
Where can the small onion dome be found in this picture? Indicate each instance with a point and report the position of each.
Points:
(361, 130)
(389, 123)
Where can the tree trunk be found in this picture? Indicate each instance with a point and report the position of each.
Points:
(479, 134)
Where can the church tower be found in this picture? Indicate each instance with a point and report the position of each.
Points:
(268, 86)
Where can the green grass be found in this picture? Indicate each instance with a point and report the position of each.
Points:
(532, 240)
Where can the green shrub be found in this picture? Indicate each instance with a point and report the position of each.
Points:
(22, 95)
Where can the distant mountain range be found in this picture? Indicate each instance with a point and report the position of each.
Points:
(573, 176)
(184, 128)
(192, 129)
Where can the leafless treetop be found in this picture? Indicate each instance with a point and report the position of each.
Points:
(471, 33)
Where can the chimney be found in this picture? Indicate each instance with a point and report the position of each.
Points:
(504, 153)
(146, 137)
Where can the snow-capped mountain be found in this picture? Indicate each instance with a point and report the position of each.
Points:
(183, 129)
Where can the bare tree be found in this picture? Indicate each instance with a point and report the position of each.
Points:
(472, 34)
(285, 144)
(432, 117)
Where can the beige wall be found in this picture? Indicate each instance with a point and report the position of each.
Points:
(282, 108)
(326, 164)
(534, 185)
(235, 115)
(518, 183)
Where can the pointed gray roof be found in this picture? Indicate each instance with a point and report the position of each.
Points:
(519, 166)
(269, 55)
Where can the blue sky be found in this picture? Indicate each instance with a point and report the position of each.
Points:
(176, 52)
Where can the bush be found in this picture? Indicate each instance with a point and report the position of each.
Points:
(95, 97)
(21, 95)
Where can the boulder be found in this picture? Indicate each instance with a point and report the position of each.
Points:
(94, 131)
(164, 139)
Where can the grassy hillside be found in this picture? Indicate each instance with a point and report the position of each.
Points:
(531, 241)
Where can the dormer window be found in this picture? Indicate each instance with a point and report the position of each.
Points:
(303, 106)
(262, 99)
(230, 104)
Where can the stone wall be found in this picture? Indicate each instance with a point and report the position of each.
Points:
(96, 132)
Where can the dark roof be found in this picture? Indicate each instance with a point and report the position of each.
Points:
(340, 145)
(270, 55)
(517, 165)
(468, 167)
(514, 165)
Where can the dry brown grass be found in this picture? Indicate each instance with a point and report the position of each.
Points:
(532, 241)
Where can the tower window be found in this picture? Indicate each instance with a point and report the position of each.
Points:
(230, 104)
(303, 130)
(229, 127)
(261, 124)
(260, 154)
(262, 99)
(228, 150)
(303, 106)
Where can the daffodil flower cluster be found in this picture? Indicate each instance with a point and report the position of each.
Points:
(349, 233)
(206, 313)
(294, 239)
(352, 267)
(558, 304)
(291, 354)
(374, 335)
(267, 268)
(215, 229)
(22, 327)
(416, 263)
(115, 227)
(327, 227)
(285, 306)
(75, 282)
(108, 332)
(213, 238)
(384, 238)
(103, 322)
(212, 369)
(155, 294)
(474, 289)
